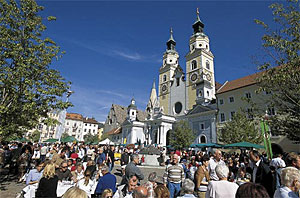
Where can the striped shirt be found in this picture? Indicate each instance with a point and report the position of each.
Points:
(174, 173)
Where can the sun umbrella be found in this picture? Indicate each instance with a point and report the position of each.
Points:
(214, 145)
(51, 140)
(244, 145)
(23, 139)
(69, 139)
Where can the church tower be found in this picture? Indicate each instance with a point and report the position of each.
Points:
(132, 110)
(200, 80)
(166, 73)
(152, 101)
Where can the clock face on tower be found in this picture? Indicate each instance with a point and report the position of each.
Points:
(194, 77)
(164, 88)
(208, 77)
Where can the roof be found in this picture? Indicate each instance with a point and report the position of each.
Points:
(114, 131)
(121, 113)
(74, 116)
(217, 85)
(90, 120)
(239, 83)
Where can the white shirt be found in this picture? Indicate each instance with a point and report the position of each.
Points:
(87, 188)
(211, 168)
(118, 193)
(221, 189)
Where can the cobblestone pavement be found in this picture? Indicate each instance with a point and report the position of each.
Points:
(9, 187)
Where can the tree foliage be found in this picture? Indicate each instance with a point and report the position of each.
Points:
(240, 129)
(182, 135)
(35, 136)
(281, 73)
(64, 135)
(29, 87)
(91, 138)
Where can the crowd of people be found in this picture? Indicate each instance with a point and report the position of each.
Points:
(188, 173)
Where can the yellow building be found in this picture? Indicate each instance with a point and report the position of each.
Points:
(240, 94)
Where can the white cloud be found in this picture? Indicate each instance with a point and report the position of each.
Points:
(93, 102)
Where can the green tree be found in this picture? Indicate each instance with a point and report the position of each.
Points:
(281, 74)
(182, 135)
(240, 129)
(64, 135)
(29, 87)
(35, 136)
(90, 138)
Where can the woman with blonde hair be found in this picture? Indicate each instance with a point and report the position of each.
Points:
(107, 193)
(161, 191)
(75, 192)
(48, 183)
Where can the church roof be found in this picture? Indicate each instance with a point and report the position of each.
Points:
(239, 83)
(114, 131)
(201, 108)
(121, 113)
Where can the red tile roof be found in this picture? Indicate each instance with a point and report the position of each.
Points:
(74, 116)
(90, 120)
(239, 83)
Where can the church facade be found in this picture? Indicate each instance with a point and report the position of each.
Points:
(186, 96)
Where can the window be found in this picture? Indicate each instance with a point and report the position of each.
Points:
(165, 78)
(221, 101)
(177, 81)
(200, 45)
(84, 130)
(231, 99)
(192, 47)
(178, 107)
(132, 113)
(89, 130)
(165, 62)
(207, 65)
(207, 93)
(271, 111)
(248, 95)
(85, 124)
(222, 117)
(232, 114)
(194, 64)
(202, 126)
(90, 125)
(171, 60)
(93, 130)
(67, 123)
(250, 113)
(200, 94)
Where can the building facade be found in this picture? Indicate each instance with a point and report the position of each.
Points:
(78, 126)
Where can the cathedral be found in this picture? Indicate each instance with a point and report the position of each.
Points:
(186, 96)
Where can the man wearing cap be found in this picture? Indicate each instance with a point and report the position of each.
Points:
(173, 176)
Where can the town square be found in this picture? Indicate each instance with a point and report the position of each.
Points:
(149, 99)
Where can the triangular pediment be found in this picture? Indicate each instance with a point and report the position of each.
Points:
(200, 109)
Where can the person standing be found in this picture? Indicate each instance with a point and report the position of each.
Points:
(124, 160)
(222, 187)
(202, 177)
(108, 180)
(174, 176)
(132, 169)
(126, 190)
(261, 173)
(213, 162)
(111, 158)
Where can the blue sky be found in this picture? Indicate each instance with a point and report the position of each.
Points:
(114, 48)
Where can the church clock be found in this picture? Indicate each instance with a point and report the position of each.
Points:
(208, 77)
(194, 77)
(164, 88)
